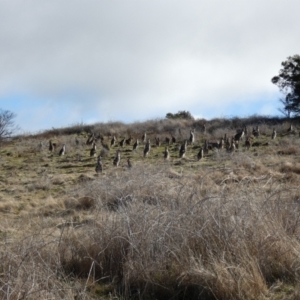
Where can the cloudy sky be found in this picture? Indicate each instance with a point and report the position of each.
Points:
(63, 62)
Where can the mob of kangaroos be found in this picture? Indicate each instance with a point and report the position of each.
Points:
(230, 142)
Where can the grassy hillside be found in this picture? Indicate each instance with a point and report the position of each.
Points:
(223, 227)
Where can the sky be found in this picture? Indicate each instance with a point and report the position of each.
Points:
(65, 62)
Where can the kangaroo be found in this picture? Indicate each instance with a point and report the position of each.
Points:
(147, 148)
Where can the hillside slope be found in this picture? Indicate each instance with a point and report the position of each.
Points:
(222, 227)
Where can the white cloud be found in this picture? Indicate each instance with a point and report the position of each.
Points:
(137, 59)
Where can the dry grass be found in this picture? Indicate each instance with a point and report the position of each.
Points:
(225, 227)
(195, 237)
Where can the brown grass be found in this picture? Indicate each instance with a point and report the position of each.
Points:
(225, 227)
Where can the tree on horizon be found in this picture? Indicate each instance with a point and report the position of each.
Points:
(288, 82)
(7, 124)
(180, 115)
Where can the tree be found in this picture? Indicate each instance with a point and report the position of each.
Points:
(288, 82)
(287, 109)
(7, 124)
(180, 115)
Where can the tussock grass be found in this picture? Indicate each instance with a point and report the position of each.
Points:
(226, 244)
(225, 227)
(287, 167)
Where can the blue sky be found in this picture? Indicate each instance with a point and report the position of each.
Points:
(69, 62)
